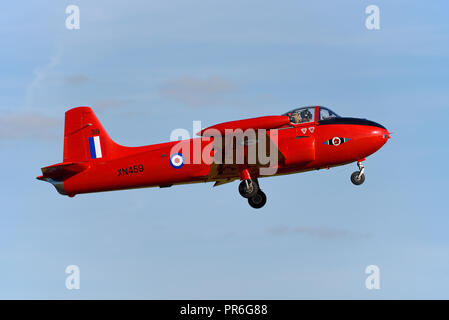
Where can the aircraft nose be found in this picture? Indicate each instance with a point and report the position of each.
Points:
(376, 129)
(379, 134)
(384, 133)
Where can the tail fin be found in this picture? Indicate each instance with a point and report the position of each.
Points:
(85, 138)
(85, 142)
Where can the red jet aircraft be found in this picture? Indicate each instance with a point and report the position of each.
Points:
(304, 139)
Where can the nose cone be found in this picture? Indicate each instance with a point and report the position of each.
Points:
(365, 122)
(376, 136)
(381, 135)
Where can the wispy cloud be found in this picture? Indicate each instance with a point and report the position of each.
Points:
(41, 74)
(196, 92)
(318, 232)
(27, 125)
(76, 79)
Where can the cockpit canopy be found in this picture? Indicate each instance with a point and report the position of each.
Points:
(307, 114)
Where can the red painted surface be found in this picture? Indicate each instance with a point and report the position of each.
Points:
(301, 148)
(268, 122)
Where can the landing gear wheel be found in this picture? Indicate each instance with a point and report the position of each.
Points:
(357, 178)
(258, 201)
(248, 188)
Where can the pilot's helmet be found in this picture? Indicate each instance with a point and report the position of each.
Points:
(306, 114)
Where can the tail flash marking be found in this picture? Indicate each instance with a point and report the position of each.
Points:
(95, 147)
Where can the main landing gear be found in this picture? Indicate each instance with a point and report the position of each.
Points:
(249, 189)
(258, 201)
(358, 177)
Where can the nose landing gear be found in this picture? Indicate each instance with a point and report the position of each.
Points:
(358, 177)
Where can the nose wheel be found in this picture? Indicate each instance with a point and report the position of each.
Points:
(358, 177)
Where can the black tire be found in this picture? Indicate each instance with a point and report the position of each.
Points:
(244, 192)
(258, 201)
(355, 178)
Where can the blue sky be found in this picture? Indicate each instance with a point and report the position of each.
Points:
(148, 68)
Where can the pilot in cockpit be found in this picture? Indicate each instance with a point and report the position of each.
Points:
(306, 116)
(295, 117)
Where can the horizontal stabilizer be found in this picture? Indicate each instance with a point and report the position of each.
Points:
(62, 171)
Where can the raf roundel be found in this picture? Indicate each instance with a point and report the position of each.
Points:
(336, 141)
(177, 160)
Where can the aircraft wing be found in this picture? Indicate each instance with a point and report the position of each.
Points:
(260, 150)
